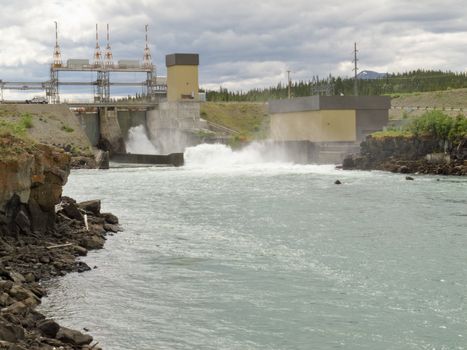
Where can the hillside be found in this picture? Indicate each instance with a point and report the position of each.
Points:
(453, 102)
(245, 119)
(49, 124)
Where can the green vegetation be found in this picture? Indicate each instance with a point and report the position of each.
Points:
(392, 133)
(66, 128)
(439, 125)
(246, 120)
(431, 124)
(395, 85)
(19, 128)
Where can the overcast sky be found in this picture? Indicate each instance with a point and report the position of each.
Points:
(242, 44)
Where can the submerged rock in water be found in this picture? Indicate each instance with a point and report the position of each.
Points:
(337, 182)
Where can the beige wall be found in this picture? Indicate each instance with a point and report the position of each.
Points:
(182, 80)
(315, 126)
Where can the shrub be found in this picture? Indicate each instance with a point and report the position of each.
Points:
(439, 125)
(433, 124)
(26, 121)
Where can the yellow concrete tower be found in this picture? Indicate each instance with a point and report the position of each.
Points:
(182, 76)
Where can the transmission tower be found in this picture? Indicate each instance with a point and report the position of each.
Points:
(108, 57)
(52, 91)
(97, 51)
(57, 51)
(147, 63)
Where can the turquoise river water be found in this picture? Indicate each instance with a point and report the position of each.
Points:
(232, 252)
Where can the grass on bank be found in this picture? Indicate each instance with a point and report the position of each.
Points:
(250, 120)
(434, 124)
(19, 128)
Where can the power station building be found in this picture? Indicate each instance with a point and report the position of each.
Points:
(327, 127)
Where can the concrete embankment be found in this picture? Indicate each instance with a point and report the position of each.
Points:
(41, 236)
(424, 155)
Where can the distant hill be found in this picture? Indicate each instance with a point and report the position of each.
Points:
(369, 74)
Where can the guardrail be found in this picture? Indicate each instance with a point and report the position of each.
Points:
(222, 128)
(430, 108)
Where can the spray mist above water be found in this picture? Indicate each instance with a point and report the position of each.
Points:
(218, 155)
(258, 158)
(138, 141)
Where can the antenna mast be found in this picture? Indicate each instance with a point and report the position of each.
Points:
(108, 62)
(355, 69)
(147, 59)
(57, 52)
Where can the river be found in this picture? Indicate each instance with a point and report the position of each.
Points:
(235, 252)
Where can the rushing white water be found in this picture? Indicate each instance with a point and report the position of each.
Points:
(258, 158)
(218, 155)
(138, 141)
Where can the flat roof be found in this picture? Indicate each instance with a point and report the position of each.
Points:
(182, 59)
(315, 103)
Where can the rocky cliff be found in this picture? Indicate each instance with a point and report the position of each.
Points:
(425, 155)
(31, 180)
(41, 235)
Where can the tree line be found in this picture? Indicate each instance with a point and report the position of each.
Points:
(388, 84)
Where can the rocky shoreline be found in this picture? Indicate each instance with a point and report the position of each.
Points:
(410, 155)
(42, 236)
(28, 259)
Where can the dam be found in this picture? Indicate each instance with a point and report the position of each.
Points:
(170, 122)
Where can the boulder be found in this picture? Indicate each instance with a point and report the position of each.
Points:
(16, 277)
(6, 300)
(10, 332)
(110, 218)
(404, 169)
(73, 337)
(48, 327)
(5, 284)
(92, 206)
(93, 242)
(81, 251)
(20, 293)
(348, 163)
(71, 210)
(112, 228)
(16, 308)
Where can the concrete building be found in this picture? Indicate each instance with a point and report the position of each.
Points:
(327, 127)
(182, 76)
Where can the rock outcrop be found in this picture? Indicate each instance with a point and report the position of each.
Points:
(411, 155)
(41, 236)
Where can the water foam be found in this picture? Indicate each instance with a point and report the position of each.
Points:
(221, 156)
(256, 158)
(138, 141)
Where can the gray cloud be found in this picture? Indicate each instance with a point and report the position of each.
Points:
(242, 44)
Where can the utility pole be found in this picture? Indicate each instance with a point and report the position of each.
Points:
(289, 83)
(355, 81)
